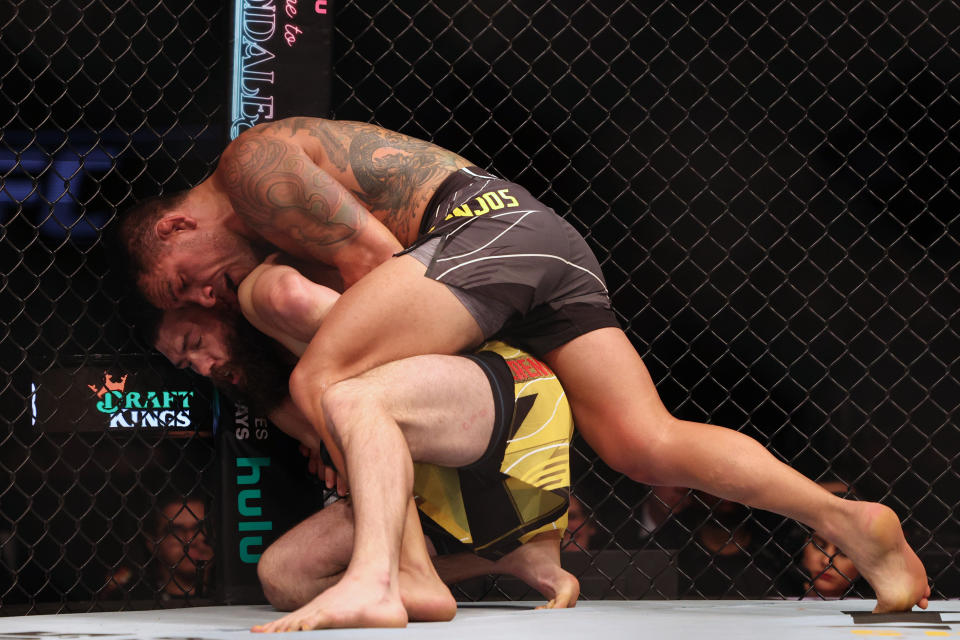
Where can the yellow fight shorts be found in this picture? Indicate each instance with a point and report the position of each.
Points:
(520, 487)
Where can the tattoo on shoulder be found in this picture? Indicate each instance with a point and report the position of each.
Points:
(289, 126)
(278, 191)
(392, 169)
(335, 149)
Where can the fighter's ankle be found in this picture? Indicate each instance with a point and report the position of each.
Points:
(371, 578)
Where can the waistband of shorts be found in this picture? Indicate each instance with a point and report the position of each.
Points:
(451, 183)
(495, 367)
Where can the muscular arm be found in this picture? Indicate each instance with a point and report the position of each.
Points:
(293, 423)
(285, 305)
(278, 191)
(391, 174)
(289, 308)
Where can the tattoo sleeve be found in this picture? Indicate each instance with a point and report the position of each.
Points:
(279, 191)
(395, 173)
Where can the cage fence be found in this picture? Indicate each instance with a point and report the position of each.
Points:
(772, 192)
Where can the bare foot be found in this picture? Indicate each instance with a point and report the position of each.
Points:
(351, 603)
(425, 597)
(562, 588)
(880, 552)
(538, 564)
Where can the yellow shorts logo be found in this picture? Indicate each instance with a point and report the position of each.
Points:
(484, 203)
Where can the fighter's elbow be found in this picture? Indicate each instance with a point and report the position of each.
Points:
(306, 389)
(280, 298)
(282, 293)
(373, 245)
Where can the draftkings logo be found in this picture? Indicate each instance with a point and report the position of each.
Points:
(141, 409)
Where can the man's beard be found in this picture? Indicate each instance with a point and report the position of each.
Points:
(263, 371)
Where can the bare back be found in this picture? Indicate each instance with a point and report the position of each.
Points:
(390, 175)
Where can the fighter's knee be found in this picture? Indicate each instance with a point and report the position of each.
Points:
(645, 451)
(297, 385)
(308, 383)
(343, 400)
(271, 572)
(312, 379)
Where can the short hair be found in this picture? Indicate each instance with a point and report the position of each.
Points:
(159, 520)
(136, 239)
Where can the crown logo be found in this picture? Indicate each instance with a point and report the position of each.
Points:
(109, 384)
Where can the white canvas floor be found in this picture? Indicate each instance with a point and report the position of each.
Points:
(596, 620)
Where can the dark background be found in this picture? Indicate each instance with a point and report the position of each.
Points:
(772, 196)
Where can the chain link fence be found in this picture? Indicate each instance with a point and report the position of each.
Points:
(773, 195)
(771, 191)
(100, 104)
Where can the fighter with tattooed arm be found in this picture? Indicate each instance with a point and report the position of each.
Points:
(483, 258)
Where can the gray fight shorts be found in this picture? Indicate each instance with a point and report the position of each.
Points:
(521, 270)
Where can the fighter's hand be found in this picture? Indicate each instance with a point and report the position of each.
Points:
(316, 466)
(323, 469)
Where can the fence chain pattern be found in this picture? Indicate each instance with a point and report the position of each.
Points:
(100, 104)
(772, 192)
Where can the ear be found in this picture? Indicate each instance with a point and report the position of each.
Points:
(168, 225)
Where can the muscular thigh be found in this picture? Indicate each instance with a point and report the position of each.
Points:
(615, 404)
(391, 313)
(443, 404)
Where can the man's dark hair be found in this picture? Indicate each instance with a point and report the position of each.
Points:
(135, 237)
(159, 521)
(263, 363)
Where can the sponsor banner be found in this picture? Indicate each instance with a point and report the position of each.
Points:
(264, 491)
(120, 395)
(281, 61)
